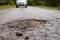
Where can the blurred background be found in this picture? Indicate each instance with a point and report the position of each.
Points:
(40, 3)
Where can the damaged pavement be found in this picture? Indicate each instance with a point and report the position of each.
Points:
(30, 29)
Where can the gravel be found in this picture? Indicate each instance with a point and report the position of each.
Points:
(30, 29)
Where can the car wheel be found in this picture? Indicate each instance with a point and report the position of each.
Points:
(26, 6)
(17, 6)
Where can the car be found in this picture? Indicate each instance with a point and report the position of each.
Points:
(21, 3)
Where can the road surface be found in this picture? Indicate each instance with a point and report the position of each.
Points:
(29, 29)
(28, 13)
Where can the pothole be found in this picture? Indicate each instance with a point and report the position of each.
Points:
(1, 38)
(27, 23)
(30, 29)
(19, 34)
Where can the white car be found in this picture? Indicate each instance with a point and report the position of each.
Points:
(21, 3)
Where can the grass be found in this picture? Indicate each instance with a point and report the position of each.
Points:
(48, 7)
(11, 6)
(6, 6)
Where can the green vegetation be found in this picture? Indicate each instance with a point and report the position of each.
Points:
(51, 4)
(6, 6)
(6, 2)
(48, 7)
(40, 3)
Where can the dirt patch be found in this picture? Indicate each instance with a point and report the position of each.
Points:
(30, 29)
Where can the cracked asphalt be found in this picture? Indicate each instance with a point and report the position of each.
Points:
(28, 13)
(29, 24)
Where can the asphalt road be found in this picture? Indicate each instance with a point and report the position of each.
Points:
(30, 29)
(28, 13)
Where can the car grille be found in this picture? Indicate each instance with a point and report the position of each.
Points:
(21, 3)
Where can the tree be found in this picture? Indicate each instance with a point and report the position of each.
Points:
(10, 2)
(2, 2)
(52, 3)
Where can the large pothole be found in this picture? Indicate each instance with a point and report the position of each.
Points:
(30, 29)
